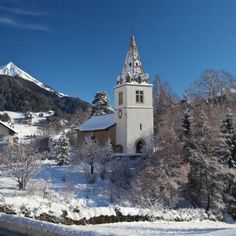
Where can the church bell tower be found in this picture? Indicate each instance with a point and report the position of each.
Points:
(133, 105)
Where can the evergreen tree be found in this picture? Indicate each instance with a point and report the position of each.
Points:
(62, 150)
(226, 144)
(101, 104)
(186, 133)
(199, 186)
(210, 183)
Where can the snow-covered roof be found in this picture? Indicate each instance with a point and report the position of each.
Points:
(98, 123)
(8, 127)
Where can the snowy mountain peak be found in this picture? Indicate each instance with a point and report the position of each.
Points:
(9, 69)
(12, 70)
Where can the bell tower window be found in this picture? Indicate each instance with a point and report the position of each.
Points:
(139, 96)
(120, 98)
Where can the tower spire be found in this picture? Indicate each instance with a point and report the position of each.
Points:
(132, 69)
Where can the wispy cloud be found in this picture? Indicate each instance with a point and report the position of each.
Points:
(23, 25)
(20, 11)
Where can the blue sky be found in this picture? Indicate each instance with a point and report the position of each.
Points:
(78, 47)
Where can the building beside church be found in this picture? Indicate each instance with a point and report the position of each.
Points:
(130, 127)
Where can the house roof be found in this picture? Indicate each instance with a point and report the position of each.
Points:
(98, 123)
(8, 127)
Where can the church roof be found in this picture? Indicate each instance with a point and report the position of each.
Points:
(98, 123)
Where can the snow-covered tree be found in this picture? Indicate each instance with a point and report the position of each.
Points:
(101, 104)
(226, 143)
(213, 85)
(106, 153)
(89, 152)
(210, 183)
(163, 100)
(186, 133)
(62, 150)
(21, 161)
(200, 158)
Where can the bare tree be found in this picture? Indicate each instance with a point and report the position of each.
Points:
(213, 85)
(21, 162)
(164, 104)
(89, 152)
(105, 155)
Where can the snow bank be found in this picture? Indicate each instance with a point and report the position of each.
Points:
(35, 227)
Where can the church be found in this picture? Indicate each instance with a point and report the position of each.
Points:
(130, 127)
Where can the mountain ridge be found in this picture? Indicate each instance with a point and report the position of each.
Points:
(29, 94)
(12, 70)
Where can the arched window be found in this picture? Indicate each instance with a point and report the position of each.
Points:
(119, 148)
(140, 146)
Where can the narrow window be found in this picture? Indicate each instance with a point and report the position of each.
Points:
(120, 98)
(140, 126)
(139, 96)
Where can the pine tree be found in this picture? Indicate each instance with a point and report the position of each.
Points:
(226, 146)
(62, 150)
(186, 133)
(209, 181)
(199, 186)
(101, 104)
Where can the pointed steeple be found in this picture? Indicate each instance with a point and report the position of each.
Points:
(133, 69)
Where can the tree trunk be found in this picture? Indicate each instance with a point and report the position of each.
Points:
(92, 168)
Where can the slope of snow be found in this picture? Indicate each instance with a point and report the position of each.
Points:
(12, 70)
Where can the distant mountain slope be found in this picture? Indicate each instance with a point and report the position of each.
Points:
(21, 92)
(12, 70)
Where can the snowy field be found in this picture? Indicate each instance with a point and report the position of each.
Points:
(55, 190)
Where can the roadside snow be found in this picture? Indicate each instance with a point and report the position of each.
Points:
(164, 228)
(194, 228)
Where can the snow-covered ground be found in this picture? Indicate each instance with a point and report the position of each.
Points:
(59, 190)
(55, 190)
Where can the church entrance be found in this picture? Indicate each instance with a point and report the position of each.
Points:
(140, 146)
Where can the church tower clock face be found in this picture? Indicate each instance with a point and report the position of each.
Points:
(120, 113)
